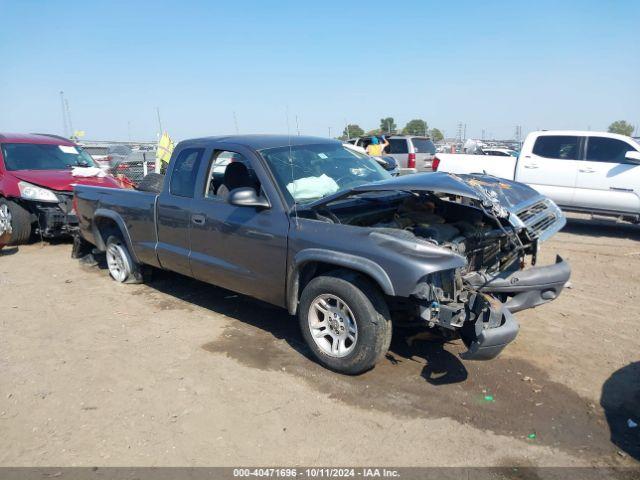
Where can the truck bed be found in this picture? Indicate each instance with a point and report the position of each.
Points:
(498, 166)
(134, 207)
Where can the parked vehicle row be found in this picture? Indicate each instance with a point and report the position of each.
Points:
(412, 153)
(309, 225)
(582, 171)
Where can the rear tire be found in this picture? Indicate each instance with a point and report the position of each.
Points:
(20, 220)
(121, 266)
(345, 321)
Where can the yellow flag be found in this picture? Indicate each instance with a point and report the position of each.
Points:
(165, 148)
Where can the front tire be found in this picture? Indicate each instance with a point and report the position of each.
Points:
(121, 266)
(20, 221)
(345, 321)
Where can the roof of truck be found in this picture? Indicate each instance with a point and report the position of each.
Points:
(40, 138)
(261, 141)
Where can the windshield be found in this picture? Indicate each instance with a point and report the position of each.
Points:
(30, 156)
(309, 172)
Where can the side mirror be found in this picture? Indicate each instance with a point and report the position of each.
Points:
(633, 156)
(247, 197)
(387, 162)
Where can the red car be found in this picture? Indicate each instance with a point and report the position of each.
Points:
(36, 185)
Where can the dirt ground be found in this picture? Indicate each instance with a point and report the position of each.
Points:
(176, 372)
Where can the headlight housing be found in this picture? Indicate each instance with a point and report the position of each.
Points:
(39, 194)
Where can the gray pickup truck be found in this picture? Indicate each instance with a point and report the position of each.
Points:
(309, 225)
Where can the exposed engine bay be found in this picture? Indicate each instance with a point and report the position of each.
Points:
(474, 235)
(473, 301)
(462, 225)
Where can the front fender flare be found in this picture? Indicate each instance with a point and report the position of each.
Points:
(339, 259)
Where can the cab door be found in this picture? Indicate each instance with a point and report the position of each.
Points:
(550, 166)
(174, 211)
(241, 248)
(606, 179)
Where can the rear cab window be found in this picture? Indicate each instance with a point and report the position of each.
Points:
(564, 147)
(185, 172)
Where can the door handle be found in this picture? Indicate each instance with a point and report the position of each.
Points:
(586, 170)
(198, 219)
(530, 165)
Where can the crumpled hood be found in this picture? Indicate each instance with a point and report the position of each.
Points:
(62, 180)
(492, 191)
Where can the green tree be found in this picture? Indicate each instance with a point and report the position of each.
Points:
(375, 131)
(436, 135)
(415, 127)
(388, 126)
(622, 127)
(352, 131)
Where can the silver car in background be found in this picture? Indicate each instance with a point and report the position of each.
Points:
(413, 153)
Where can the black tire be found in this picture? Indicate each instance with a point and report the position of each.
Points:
(371, 314)
(152, 182)
(127, 271)
(20, 223)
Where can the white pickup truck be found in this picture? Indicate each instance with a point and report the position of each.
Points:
(582, 171)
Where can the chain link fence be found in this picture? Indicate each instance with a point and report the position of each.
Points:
(134, 167)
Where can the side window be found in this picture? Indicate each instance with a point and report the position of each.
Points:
(398, 145)
(556, 146)
(223, 177)
(185, 170)
(600, 149)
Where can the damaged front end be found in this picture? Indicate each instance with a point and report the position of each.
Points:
(479, 300)
(480, 305)
(489, 228)
(52, 219)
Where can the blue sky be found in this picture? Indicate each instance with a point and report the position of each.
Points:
(491, 65)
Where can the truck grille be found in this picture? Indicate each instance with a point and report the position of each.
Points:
(539, 217)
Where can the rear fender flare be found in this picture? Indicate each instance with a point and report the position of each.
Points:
(339, 259)
(101, 242)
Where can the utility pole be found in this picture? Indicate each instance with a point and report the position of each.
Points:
(297, 126)
(235, 122)
(66, 104)
(129, 129)
(159, 121)
(65, 127)
(329, 132)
